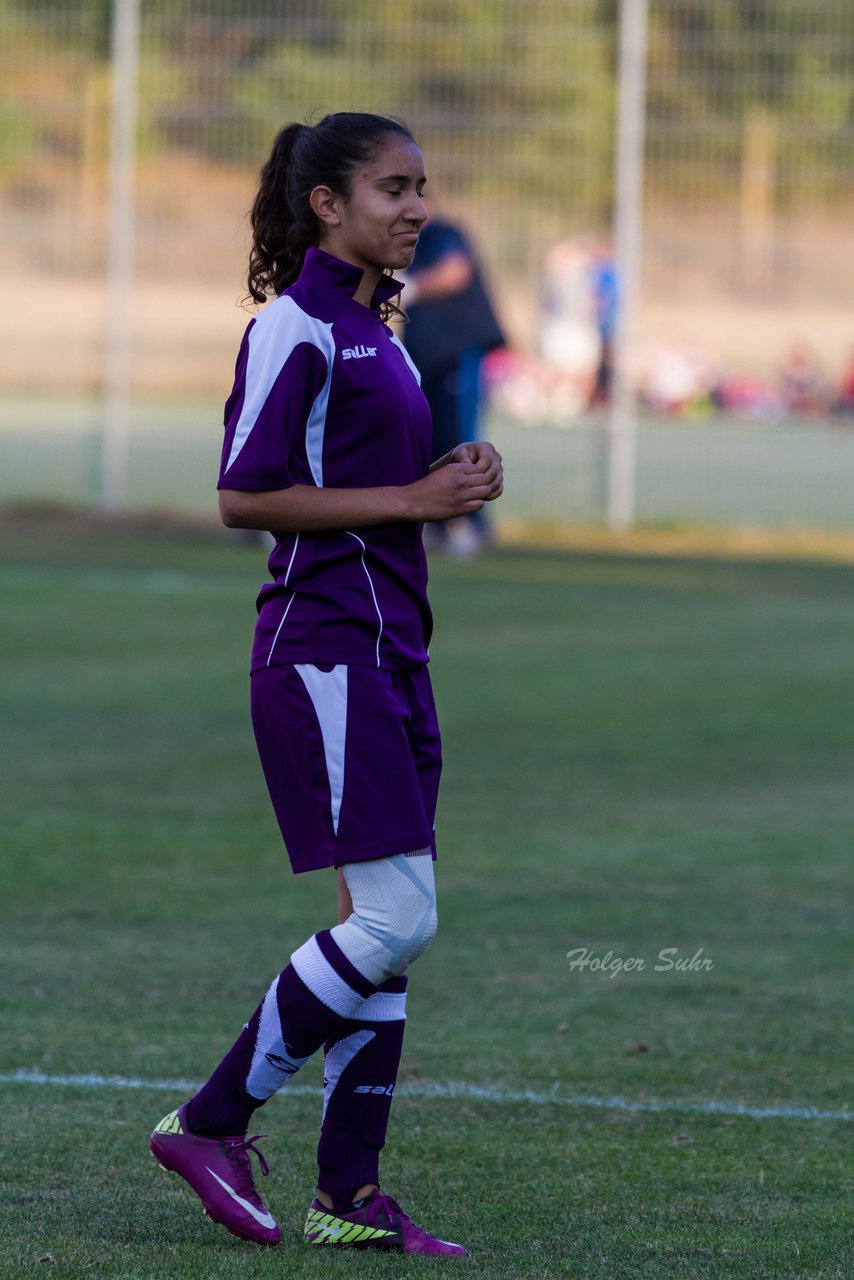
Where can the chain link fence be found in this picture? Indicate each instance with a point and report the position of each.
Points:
(748, 227)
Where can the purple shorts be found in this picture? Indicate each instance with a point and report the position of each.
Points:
(352, 758)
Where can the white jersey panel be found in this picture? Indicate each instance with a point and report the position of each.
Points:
(277, 332)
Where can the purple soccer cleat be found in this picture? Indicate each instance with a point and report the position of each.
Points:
(377, 1222)
(219, 1172)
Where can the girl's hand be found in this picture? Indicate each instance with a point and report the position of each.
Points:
(486, 458)
(454, 489)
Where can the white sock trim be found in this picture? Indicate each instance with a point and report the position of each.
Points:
(317, 973)
(384, 1006)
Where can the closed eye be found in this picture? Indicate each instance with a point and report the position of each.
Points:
(404, 182)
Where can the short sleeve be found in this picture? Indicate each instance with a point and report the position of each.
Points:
(278, 376)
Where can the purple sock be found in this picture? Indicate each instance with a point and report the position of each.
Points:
(360, 1070)
(305, 1006)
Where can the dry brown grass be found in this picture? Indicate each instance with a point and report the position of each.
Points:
(682, 541)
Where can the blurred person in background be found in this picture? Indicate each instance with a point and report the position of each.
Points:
(451, 326)
(803, 383)
(570, 344)
(844, 403)
(746, 396)
(606, 301)
(679, 377)
(327, 443)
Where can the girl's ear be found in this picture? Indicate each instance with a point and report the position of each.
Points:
(324, 204)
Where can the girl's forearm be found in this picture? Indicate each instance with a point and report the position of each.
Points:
(306, 509)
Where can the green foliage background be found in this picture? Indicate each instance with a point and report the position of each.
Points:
(528, 91)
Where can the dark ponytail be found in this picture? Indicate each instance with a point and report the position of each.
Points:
(304, 157)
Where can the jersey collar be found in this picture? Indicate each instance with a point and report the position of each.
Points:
(327, 274)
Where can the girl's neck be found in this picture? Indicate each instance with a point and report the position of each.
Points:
(370, 277)
(366, 289)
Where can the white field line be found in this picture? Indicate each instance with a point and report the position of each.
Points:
(455, 1089)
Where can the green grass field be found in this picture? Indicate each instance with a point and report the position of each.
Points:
(641, 754)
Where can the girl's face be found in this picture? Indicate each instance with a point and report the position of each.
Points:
(377, 226)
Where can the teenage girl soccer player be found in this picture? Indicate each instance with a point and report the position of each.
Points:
(327, 443)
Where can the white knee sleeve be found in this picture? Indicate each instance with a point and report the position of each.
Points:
(394, 914)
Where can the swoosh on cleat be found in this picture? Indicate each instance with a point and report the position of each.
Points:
(333, 1233)
(263, 1219)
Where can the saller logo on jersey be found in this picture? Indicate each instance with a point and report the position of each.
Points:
(375, 1088)
(358, 353)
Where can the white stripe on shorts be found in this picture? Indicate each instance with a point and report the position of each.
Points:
(328, 693)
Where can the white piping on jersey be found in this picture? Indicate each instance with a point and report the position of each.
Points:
(272, 340)
(407, 357)
(371, 585)
(290, 602)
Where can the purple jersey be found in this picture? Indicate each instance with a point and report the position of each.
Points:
(325, 394)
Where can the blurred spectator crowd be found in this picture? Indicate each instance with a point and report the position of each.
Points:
(569, 374)
(683, 379)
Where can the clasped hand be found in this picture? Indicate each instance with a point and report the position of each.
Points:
(461, 482)
(486, 459)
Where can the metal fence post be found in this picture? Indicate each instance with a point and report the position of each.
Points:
(118, 336)
(628, 212)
